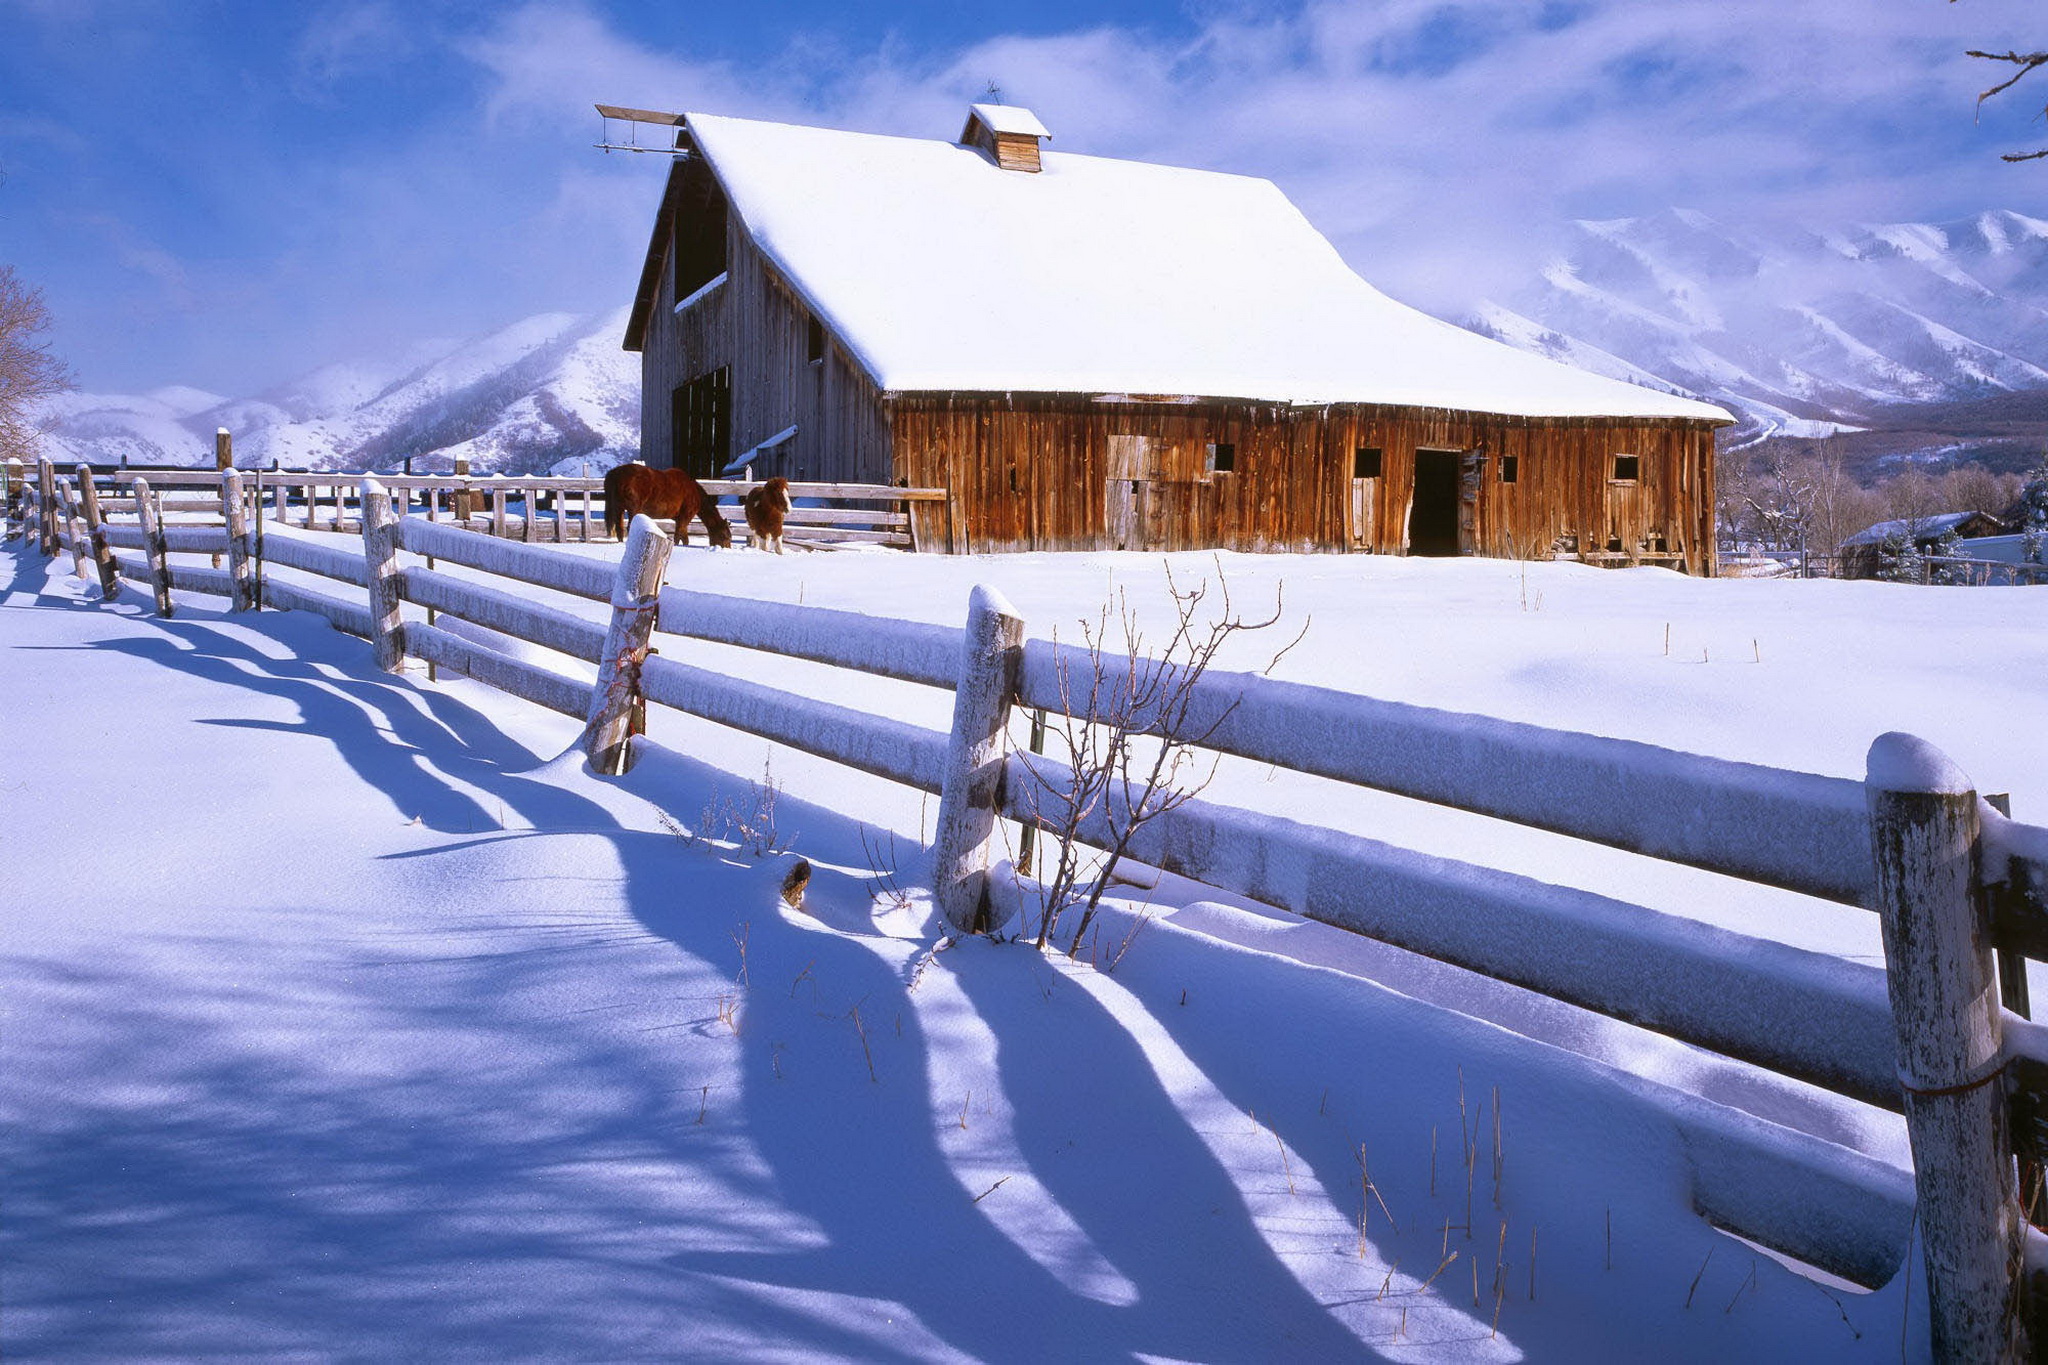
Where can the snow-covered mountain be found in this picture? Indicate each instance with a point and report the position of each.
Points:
(1799, 329)
(551, 390)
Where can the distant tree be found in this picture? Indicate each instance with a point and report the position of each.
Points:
(28, 372)
(1898, 559)
(2033, 527)
(1947, 545)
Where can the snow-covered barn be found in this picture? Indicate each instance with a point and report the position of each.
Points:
(1090, 353)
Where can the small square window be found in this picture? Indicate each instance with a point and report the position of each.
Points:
(1627, 468)
(1510, 468)
(816, 347)
(1221, 458)
(1365, 462)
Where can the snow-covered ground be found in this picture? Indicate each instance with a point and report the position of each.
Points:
(343, 1022)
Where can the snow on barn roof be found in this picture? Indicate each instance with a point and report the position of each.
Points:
(941, 271)
(1009, 118)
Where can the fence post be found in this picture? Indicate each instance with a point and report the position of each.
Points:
(240, 567)
(153, 546)
(635, 592)
(965, 834)
(1943, 981)
(95, 527)
(380, 557)
(13, 495)
(46, 505)
(73, 528)
(463, 502)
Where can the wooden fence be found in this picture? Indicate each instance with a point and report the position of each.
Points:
(1939, 1033)
(552, 510)
(530, 509)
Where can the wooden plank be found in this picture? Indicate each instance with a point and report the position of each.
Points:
(548, 627)
(530, 682)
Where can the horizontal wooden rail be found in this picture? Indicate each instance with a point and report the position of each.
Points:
(203, 540)
(199, 578)
(500, 611)
(572, 574)
(882, 645)
(1800, 831)
(284, 595)
(1804, 1014)
(316, 557)
(880, 745)
(541, 686)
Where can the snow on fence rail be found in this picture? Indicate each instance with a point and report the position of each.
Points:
(1957, 883)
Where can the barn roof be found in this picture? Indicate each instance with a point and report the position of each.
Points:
(941, 271)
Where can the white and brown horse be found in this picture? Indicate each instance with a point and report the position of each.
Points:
(767, 507)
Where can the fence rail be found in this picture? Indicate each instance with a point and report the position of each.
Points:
(1913, 841)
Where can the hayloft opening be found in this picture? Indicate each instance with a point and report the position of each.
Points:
(1220, 458)
(814, 345)
(1433, 515)
(1627, 468)
(697, 236)
(1510, 468)
(1365, 462)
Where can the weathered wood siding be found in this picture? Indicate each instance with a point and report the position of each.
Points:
(757, 325)
(1032, 472)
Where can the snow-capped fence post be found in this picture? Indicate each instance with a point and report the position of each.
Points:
(991, 653)
(636, 594)
(96, 530)
(380, 558)
(153, 549)
(46, 506)
(1943, 982)
(240, 567)
(464, 504)
(74, 528)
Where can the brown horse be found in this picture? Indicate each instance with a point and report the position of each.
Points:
(766, 508)
(632, 490)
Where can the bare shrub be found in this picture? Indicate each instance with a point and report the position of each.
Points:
(1130, 727)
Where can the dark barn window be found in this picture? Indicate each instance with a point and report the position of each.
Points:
(697, 249)
(1221, 458)
(814, 347)
(1510, 468)
(1365, 462)
(700, 424)
(1627, 468)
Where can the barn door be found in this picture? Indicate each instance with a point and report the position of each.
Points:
(1131, 505)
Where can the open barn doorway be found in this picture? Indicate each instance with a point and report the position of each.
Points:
(1436, 515)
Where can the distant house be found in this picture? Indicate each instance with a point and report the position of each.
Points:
(1091, 353)
(1860, 553)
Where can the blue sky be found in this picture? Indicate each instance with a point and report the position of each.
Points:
(227, 193)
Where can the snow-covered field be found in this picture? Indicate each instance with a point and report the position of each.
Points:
(341, 1021)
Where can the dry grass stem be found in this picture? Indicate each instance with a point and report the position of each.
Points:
(1696, 1278)
(865, 1050)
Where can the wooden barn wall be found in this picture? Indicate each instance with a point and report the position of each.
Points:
(1031, 473)
(756, 324)
(836, 409)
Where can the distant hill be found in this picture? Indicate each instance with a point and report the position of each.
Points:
(1900, 328)
(551, 390)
